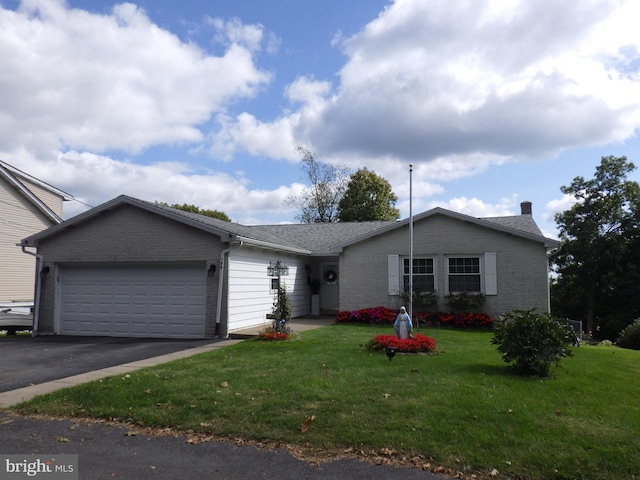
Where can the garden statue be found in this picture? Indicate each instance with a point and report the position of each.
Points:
(402, 325)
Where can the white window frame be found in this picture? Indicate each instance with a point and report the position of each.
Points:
(480, 274)
(434, 261)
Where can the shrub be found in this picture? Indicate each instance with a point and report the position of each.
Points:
(532, 341)
(457, 320)
(419, 343)
(386, 315)
(630, 336)
(368, 315)
(466, 302)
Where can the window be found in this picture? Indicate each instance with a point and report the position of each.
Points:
(464, 274)
(275, 283)
(423, 275)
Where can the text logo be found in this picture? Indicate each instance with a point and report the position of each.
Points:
(49, 467)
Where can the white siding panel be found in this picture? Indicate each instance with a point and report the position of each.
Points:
(20, 219)
(250, 294)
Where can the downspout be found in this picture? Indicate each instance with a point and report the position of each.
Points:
(38, 288)
(221, 278)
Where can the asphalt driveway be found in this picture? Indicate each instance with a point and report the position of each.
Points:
(106, 452)
(28, 361)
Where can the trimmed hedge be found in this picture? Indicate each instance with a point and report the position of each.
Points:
(444, 319)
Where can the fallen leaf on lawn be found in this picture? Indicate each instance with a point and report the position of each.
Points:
(147, 391)
(557, 413)
(63, 439)
(494, 473)
(224, 384)
(307, 424)
(130, 434)
(386, 395)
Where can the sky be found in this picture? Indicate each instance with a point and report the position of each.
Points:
(494, 102)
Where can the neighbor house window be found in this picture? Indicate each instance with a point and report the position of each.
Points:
(464, 274)
(424, 279)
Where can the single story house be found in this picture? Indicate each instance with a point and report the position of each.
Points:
(134, 268)
(27, 206)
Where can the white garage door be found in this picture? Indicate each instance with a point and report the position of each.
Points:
(163, 301)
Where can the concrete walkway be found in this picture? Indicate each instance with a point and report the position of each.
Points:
(14, 397)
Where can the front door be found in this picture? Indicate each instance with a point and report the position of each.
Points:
(330, 290)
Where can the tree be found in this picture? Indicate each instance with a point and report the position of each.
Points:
(319, 202)
(368, 197)
(206, 212)
(597, 261)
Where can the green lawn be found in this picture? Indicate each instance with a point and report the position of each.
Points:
(461, 407)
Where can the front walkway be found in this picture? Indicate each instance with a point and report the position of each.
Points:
(296, 325)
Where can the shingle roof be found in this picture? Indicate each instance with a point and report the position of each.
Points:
(233, 228)
(306, 239)
(319, 237)
(526, 223)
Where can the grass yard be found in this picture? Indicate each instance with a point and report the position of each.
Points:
(460, 408)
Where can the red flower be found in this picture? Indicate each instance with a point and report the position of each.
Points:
(419, 343)
(274, 336)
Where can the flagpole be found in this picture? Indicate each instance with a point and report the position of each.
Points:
(411, 242)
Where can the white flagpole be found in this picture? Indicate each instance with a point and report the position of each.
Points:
(411, 242)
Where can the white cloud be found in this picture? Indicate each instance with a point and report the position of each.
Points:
(558, 205)
(478, 208)
(77, 80)
(472, 83)
(170, 182)
(233, 31)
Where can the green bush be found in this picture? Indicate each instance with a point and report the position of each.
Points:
(531, 342)
(630, 336)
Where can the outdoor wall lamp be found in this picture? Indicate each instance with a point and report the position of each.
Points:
(277, 269)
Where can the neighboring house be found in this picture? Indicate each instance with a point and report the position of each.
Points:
(135, 268)
(27, 206)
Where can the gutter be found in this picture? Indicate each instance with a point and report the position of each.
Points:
(225, 253)
(272, 246)
(38, 289)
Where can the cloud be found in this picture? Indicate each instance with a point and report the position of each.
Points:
(75, 80)
(478, 208)
(170, 182)
(457, 82)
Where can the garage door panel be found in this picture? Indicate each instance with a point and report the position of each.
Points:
(165, 301)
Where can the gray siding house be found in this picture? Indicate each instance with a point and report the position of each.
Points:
(27, 206)
(140, 269)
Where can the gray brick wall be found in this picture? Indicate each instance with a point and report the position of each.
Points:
(521, 264)
(129, 234)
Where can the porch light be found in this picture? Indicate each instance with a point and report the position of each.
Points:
(277, 269)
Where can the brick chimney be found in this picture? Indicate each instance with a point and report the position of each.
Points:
(525, 208)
